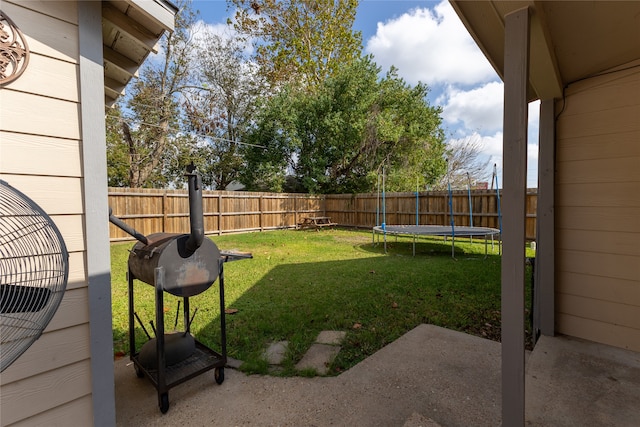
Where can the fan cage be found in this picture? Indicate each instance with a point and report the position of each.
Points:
(33, 272)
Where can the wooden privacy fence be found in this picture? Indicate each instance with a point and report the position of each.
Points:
(366, 210)
(152, 211)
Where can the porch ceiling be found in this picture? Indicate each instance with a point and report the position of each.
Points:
(130, 31)
(570, 40)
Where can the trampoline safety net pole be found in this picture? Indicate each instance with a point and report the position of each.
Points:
(373, 234)
(384, 211)
(417, 204)
(470, 205)
(453, 233)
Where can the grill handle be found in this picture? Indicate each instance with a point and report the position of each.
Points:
(126, 228)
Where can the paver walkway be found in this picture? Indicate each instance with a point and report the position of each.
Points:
(322, 352)
(318, 357)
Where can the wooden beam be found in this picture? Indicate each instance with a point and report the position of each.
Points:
(544, 314)
(114, 87)
(121, 62)
(137, 33)
(544, 74)
(516, 79)
(160, 11)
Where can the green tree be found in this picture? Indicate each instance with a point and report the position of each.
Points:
(149, 121)
(300, 41)
(336, 139)
(221, 104)
(464, 163)
(117, 152)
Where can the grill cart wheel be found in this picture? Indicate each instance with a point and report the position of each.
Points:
(164, 402)
(218, 374)
(139, 372)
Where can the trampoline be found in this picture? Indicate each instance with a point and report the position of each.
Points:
(451, 230)
(436, 230)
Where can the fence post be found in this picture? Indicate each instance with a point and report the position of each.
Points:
(219, 214)
(164, 211)
(260, 209)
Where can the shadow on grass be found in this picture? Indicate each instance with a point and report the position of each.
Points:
(374, 302)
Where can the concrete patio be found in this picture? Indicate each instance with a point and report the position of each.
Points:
(430, 376)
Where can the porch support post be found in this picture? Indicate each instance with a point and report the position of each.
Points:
(516, 78)
(544, 315)
(94, 156)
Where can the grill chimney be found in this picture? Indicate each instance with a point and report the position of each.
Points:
(196, 216)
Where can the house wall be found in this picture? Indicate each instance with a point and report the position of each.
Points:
(41, 154)
(598, 209)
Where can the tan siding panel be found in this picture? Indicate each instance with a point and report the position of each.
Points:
(39, 155)
(598, 218)
(37, 394)
(73, 310)
(606, 333)
(599, 310)
(592, 147)
(598, 210)
(46, 35)
(72, 229)
(76, 413)
(55, 195)
(37, 115)
(608, 242)
(605, 265)
(604, 93)
(64, 10)
(47, 76)
(619, 120)
(623, 195)
(595, 171)
(603, 288)
(77, 273)
(52, 350)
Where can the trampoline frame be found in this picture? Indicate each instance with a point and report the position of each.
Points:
(435, 230)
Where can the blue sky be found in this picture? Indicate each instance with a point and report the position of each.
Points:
(426, 42)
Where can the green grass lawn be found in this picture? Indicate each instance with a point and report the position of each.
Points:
(302, 282)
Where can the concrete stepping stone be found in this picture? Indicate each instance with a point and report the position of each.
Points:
(274, 354)
(318, 357)
(233, 363)
(331, 337)
(321, 354)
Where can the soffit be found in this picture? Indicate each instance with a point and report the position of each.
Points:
(131, 30)
(570, 40)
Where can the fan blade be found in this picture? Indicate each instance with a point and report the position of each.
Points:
(22, 299)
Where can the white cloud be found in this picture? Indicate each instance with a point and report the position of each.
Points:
(431, 47)
(478, 109)
(201, 31)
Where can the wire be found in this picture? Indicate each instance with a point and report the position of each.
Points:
(204, 135)
(591, 76)
(603, 73)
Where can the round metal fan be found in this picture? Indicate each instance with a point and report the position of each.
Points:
(34, 268)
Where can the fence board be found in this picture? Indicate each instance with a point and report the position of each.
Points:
(151, 211)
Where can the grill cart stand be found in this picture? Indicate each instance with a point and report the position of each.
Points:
(203, 359)
(183, 265)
